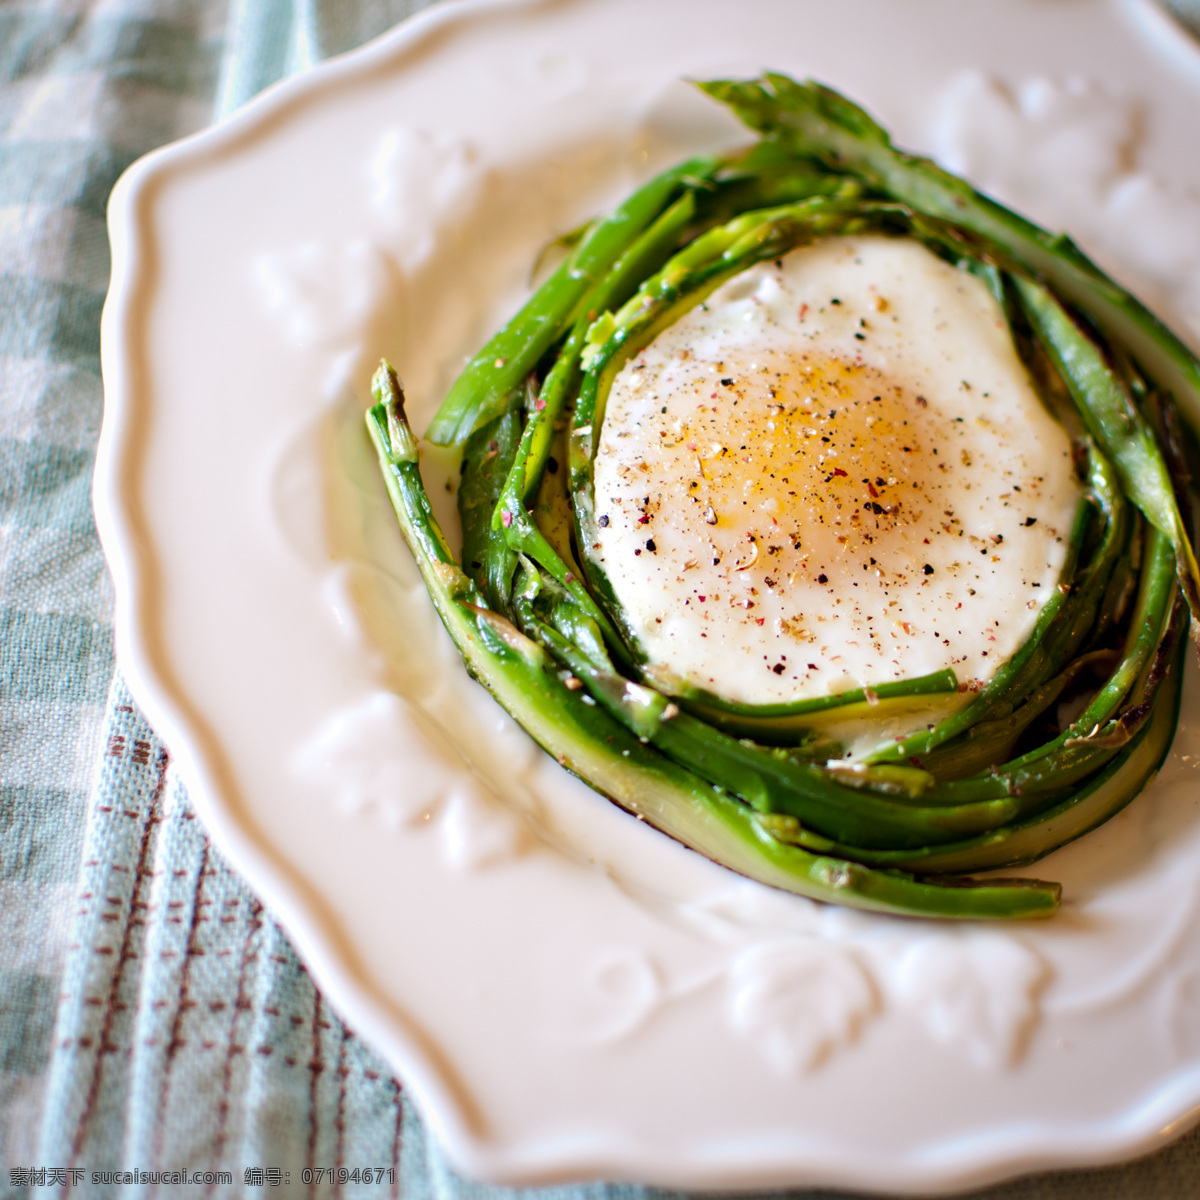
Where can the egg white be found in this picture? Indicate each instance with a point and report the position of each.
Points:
(834, 473)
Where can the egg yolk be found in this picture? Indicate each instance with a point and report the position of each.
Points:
(826, 451)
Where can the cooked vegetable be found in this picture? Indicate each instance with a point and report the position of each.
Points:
(811, 794)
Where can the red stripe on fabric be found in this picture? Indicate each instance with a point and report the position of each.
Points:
(241, 1004)
(339, 1145)
(315, 1067)
(175, 1042)
(397, 1140)
(125, 955)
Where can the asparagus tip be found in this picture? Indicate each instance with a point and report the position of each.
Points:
(387, 386)
(388, 392)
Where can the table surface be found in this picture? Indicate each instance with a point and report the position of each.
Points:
(152, 1014)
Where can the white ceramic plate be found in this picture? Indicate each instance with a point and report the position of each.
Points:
(567, 993)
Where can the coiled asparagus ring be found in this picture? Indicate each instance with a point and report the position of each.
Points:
(993, 785)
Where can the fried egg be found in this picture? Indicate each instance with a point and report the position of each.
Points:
(833, 473)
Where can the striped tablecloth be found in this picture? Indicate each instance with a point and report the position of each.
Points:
(152, 1014)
